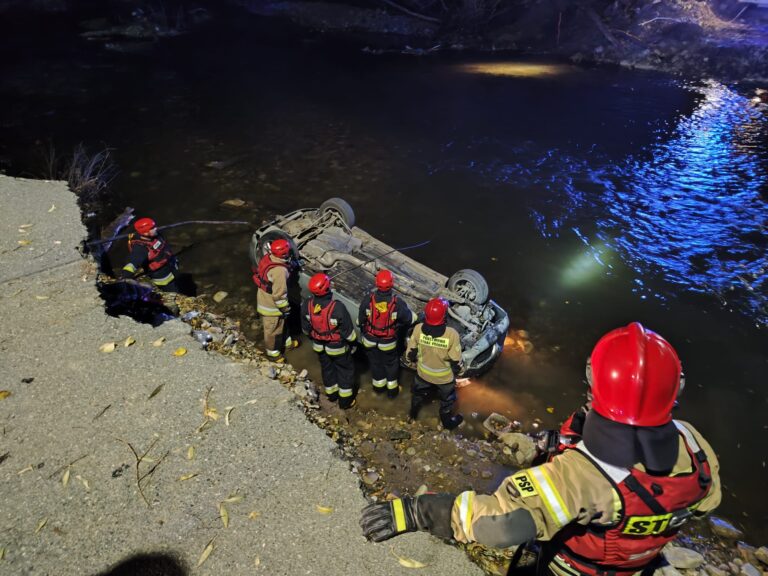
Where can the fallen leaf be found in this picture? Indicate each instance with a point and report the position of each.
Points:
(23, 470)
(324, 509)
(130, 341)
(253, 515)
(159, 342)
(42, 297)
(211, 413)
(180, 352)
(187, 477)
(224, 515)
(41, 524)
(191, 453)
(254, 401)
(206, 553)
(256, 561)
(234, 203)
(220, 295)
(108, 347)
(226, 416)
(156, 391)
(65, 477)
(84, 481)
(52, 208)
(550, 409)
(407, 562)
(25, 242)
(2, 554)
(234, 498)
(26, 225)
(4, 394)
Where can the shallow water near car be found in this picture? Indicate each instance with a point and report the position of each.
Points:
(588, 198)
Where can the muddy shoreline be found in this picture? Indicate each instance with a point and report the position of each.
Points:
(393, 457)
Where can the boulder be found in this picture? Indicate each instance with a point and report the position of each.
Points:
(669, 571)
(682, 558)
(725, 529)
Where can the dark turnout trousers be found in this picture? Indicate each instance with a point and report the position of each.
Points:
(445, 392)
(338, 377)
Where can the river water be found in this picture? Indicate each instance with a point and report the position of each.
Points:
(588, 198)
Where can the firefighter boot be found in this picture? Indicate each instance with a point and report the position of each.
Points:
(450, 422)
(393, 388)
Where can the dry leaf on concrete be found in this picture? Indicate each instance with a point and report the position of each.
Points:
(224, 515)
(25, 242)
(4, 394)
(86, 485)
(324, 509)
(234, 498)
(226, 415)
(159, 342)
(180, 352)
(41, 525)
(187, 477)
(191, 453)
(156, 391)
(52, 208)
(407, 562)
(65, 477)
(108, 347)
(130, 341)
(257, 562)
(206, 553)
(253, 515)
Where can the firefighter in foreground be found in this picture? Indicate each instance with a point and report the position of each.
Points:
(327, 322)
(271, 278)
(380, 318)
(435, 348)
(609, 504)
(150, 254)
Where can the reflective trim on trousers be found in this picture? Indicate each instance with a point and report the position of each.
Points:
(335, 351)
(439, 373)
(392, 384)
(368, 344)
(317, 347)
(130, 268)
(164, 281)
(331, 389)
(388, 346)
(379, 383)
(267, 311)
(345, 392)
(273, 353)
(281, 303)
(288, 341)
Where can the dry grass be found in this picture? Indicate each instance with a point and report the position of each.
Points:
(88, 175)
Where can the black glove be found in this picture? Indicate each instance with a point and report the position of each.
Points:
(384, 520)
(126, 275)
(413, 356)
(431, 512)
(419, 317)
(285, 312)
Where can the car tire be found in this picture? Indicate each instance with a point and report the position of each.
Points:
(342, 208)
(470, 285)
(259, 246)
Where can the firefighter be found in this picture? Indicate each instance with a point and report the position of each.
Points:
(607, 505)
(149, 252)
(436, 350)
(380, 317)
(328, 324)
(271, 277)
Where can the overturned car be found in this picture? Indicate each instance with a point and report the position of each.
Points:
(325, 239)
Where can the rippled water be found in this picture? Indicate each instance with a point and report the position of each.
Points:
(587, 198)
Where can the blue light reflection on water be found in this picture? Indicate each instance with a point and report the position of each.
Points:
(688, 210)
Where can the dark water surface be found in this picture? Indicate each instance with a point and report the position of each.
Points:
(587, 198)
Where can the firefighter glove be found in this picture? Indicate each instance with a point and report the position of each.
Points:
(384, 520)
(430, 512)
(413, 355)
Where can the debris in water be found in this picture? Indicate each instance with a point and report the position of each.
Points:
(232, 202)
(220, 295)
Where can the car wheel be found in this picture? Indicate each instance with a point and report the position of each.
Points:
(342, 208)
(470, 285)
(259, 245)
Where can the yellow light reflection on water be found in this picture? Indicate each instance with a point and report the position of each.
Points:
(518, 69)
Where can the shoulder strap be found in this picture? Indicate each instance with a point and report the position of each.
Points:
(701, 457)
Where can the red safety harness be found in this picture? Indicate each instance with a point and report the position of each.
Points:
(261, 273)
(381, 324)
(321, 329)
(158, 254)
(654, 508)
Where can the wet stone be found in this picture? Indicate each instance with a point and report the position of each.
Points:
(411, 451)
(762, 554)
(683, 558)
(714, 570)
(400, 435)
(269, 372)
(486, 474)
(303, 374)
(748, 570)
(370, 477)
(725, 529)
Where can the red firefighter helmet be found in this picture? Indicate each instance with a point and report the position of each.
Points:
(320, 284)
(434, 311)
(384, 280)
(635, 377)
(280, 248)
(144, 225)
